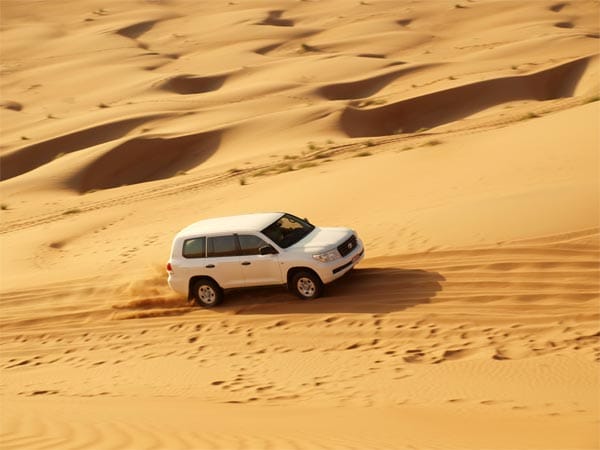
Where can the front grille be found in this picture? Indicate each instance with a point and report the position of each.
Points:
(348, 246)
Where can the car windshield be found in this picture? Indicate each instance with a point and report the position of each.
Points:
(288, 230)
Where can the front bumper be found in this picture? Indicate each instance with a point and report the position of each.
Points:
(355, 260)
(336, 269)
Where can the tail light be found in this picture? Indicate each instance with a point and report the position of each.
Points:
(169, 267)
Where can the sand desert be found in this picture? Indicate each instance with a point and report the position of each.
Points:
(459, 138)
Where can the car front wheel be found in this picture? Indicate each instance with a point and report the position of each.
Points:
(306, 285)
(207, 293)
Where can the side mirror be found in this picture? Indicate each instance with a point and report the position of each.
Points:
(267, 250)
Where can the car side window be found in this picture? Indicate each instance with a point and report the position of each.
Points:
(194, 248)
(251, 244)
(220, 246)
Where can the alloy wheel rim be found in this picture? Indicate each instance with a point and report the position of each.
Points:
(306, 286)
(207, 294)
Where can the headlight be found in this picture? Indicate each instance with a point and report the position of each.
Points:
(331, 255)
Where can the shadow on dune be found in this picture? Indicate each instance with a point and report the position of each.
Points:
(365, 87)
(137, 29)
(162, 157)
(361, 291)
(437, 108)
(189, 84)
(33, 156)
(274, 19)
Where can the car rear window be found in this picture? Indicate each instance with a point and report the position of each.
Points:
(195, 248)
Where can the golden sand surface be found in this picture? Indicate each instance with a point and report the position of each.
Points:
(459, 138)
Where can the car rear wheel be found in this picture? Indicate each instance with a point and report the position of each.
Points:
(207, 293)
(306, 285)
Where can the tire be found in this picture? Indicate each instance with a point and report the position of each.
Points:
(306, 285)
(207, 293)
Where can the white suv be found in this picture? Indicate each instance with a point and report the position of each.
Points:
(259, 250)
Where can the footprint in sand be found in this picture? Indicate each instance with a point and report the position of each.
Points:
(557, 7)
(22, 363)
(43, 392)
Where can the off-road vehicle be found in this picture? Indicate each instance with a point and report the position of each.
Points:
(263, 249)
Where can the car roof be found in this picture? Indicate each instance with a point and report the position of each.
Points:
(231, 224)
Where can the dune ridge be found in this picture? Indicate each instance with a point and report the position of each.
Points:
(441, 107)
(32, 156)
(162, 157)
(364, 88)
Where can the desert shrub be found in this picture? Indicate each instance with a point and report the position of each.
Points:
(282, 168)
(374, 101)
(306, 165)
(308, 48)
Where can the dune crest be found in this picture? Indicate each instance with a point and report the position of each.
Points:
(30, 157)
(146, 158)
(445, 106)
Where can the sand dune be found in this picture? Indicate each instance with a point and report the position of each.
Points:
(30, 157)
(162, 157)
(458, 138)
(444, 106)
(364, 88)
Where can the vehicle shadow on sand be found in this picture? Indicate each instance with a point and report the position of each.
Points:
(375, 290)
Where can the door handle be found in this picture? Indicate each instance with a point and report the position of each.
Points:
(246, 263)
(210, 266)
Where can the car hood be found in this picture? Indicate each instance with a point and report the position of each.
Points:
(322, 239)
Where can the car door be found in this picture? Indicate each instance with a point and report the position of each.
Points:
(258, 270)
(223, 261)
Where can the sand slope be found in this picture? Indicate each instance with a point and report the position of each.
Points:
(460, 140)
